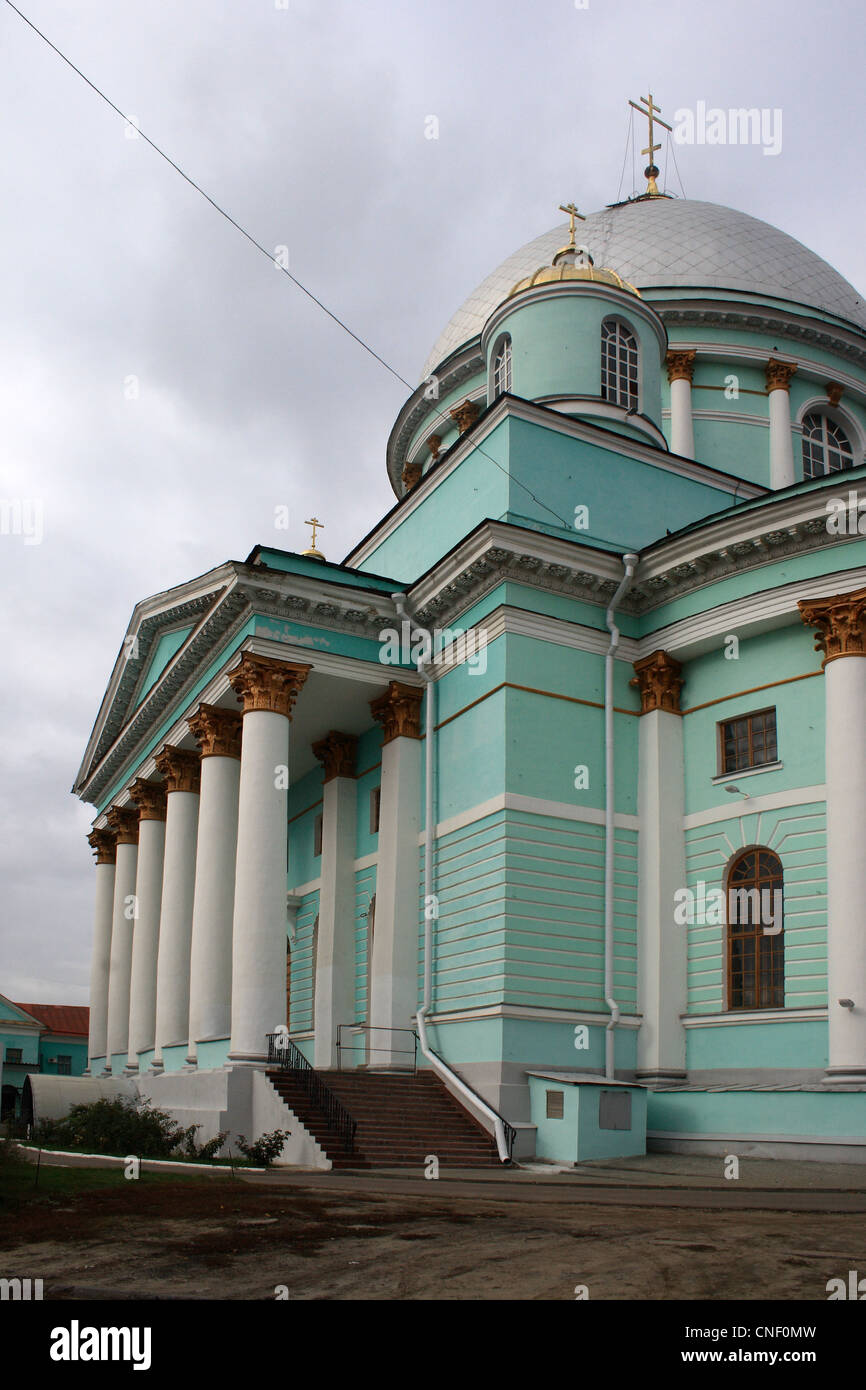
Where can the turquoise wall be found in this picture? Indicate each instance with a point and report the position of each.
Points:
(556, 346)
(805, 1114)
(762, 1043)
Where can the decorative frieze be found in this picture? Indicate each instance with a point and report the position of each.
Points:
(659, 681)
(265, 684)
(779, 375)
(123, 820)
(217, 731)
(150, 797)
(336, 752)
(680, 365)
(465, 414)
(398, 711)
(841, 624)
(180, 768)
(104, 845)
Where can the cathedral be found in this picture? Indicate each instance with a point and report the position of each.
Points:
(547, 802)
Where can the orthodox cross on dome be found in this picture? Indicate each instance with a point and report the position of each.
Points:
(650, 110)
(316, 524)
(572, 211)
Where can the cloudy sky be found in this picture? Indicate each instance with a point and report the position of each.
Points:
(308, 121)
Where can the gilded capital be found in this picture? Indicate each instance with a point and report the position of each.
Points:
(841, 624)
(217, 731)
(336, 752)
(123, 820)
(659, 681)
(680, 365)
(181, 769)
(411, 475)
(398, 711)
(779, 375)
(465, 415)
(149, 798)
(104, 845)
(265, 684)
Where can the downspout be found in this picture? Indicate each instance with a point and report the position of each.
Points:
(436, 1062)
(630, 561)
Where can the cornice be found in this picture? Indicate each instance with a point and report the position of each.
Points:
(467, 362)
(761, 319)
(282, 596)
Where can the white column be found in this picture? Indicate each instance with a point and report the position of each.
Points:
(150, 799)
(268, 689)
(124, 822)
(335, 954)
(662, 944)
(781, 443)
(681, 366)
(180, 769)
(103, 843)
(218, 733)
(394, 992)
(841, 621)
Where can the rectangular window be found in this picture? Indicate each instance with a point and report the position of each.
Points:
(614, 1110)
(555, 1104)
(747, 742)
(64, 1066)
(375, 803)
(13, 1054)
(317, 837)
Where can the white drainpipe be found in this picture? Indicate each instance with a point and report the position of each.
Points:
(630, 561)
(437, 1064)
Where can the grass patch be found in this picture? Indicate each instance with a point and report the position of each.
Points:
(18, 1182)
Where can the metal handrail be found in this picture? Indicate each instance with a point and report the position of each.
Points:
(375, 1028)
(509, 1130)
(283, 1053)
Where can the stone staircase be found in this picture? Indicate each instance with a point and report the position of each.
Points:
(400, 1120)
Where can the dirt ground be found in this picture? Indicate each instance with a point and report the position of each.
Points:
(660, 1233)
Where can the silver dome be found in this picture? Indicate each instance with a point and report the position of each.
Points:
(669, 242)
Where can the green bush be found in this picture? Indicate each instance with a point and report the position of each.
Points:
(113, 1127)
(264, 1150)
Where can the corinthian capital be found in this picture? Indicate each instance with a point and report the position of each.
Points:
(217, 731)
(123, 820)
(150, 799)
(841, 624)
(398, 711)
(659, 681)
(680, 365)
(265, 684)
(104, 845)
(336, 752)
(180, 767)
(465, 415)
(779, 375)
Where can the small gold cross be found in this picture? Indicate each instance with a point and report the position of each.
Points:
(572, 211)
(315, 522)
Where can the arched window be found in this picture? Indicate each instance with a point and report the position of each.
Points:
(618, 364)
(756, 935)
(502, 368)
(826, 446)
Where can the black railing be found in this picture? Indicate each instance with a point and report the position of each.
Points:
(283, 1053)
(368, 1050)
(509, 1130)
